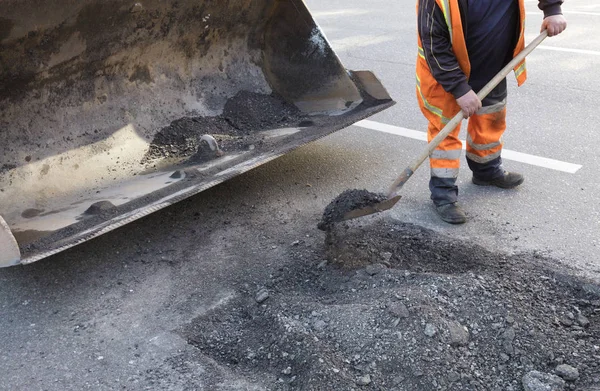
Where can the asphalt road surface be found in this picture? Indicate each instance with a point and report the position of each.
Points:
(108, 314)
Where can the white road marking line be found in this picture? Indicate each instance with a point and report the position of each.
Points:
(397, 130)
(360, 41)
(507, 154)
(350, 12)
(578, 51)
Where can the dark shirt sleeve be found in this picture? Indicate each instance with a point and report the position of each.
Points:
(437, 46)
(550, 7)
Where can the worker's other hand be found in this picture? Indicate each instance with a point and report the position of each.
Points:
(469, 103)
(555, 25)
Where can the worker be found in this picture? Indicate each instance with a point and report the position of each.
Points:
(463, 44)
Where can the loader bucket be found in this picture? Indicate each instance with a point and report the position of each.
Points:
(111, 110)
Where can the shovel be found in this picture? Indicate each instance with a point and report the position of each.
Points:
(392, 196)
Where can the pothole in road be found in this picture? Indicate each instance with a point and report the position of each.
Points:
(399, 307)
(405, 247)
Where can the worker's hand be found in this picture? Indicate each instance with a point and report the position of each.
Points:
(555, 25)
(469, 103)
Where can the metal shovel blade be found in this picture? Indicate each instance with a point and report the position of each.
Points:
(372, 209)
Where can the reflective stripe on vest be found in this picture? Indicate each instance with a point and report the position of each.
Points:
(520, 69)
(445, 6)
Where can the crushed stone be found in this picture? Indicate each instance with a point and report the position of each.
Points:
(567, 372)
(337, 324)
(538, 381)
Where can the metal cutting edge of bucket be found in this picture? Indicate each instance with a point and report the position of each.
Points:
(9, 249)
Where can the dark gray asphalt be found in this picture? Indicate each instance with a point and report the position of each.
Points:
(107, 314)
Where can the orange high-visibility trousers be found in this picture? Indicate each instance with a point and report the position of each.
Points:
(484, 141)
(484, 145)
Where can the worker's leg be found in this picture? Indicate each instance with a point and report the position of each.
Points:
(438, 107)
(484, 142)
(444, 162)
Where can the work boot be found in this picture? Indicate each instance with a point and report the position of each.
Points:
(508, 180)
(451, 213)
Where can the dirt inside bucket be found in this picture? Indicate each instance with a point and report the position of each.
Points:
(244, 114)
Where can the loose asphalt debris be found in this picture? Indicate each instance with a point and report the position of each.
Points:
(346, 202)
(244, 114)
(393, 306)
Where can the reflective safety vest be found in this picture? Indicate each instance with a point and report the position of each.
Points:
(431, 95)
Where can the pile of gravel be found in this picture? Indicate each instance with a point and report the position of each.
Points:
(398, 307)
